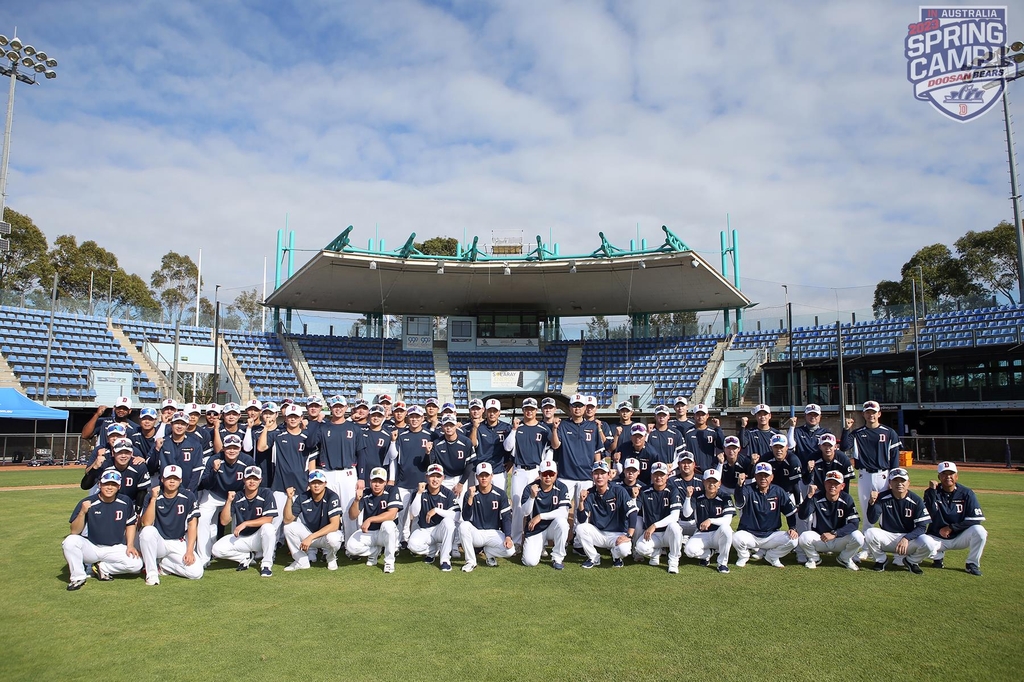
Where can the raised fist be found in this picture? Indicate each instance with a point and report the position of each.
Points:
(634, 491)
(158, 443)
(744, 421)
(721, 458)
(689, 490)
(360, 484)
(290, 492)
(394, 435)
(811, 490)
(618, 430)
(741, 479)
(85, 506)
(932, 485)
(849, 423)
(231, 496)
(716, 422)
(874, 496)
(556, 421)
(534, 489)
(755, 458)
(101, 409)
(217, 463)
(810, 465)
(515, 423)
(422, 487)
(430, 446)
(583, 494)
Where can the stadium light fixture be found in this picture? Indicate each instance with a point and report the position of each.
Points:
(25, 63)
(508, 270)
(572, 267)
(373, 265)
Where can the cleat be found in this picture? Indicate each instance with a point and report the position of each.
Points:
(332, 565)
(863, 556)
(810, 564)
(775, 563)
(428, 559)
(973, 569)
(673, 567)
(655, 560)
(152, 581)
(266, 572)
(879, 566)
(296, 566)
(578, 551)
(557, 565)
(756, 556)
(99, 574)
(403, 545)
(468, 568)
(492, 562)
(456, 554)
(590, 564)
(914, 568)
(705, 562)
(372, 559)
(389, 566)
(446, 567)
(741, 562)
(848, 564)
(938, 563)
(244, 566)
(722, 568)
(618, 563)
(76, 585)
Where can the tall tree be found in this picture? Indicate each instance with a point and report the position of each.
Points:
(438, 246)
(597, 328)
(947, 284)
(24, 265)
(675, 324)
(991, 258)
(248, 305)
(176, 283)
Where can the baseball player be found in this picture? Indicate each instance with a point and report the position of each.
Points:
(201, 431)
(577, 444)
(360, 412)
(230, 416)
(829, 459)
(805, 438)
(223, 473)
(407, 461)
(374, 446)
(454, 453)
(144, 440)
(488, 437)
(314, 417)
(183, 450)
(902, 518)
(430, 421)
(663, 441)
(713, 513)
(338, 441)
(681, 422)
(109, 521)
(376, 508)
(122, 409)
(875, 450)
(135, 479)
(687, 482)
(956, 519)
(607, 518)
(101, 453)
(704, 440)
(757, 441)
(312, 521)
(546, 513)
(548, 408)
(606, 432)
(763, 506)
(168, 537)
(486, 521)
(253, 512)
(834, 523)
(293, 457)
(659, 506)
(435, 509)
(732, 464)
(397, 420)
(529, 443)
(253, 424)
(636, 448)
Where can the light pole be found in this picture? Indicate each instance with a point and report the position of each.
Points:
(792, 379)
(26, 63)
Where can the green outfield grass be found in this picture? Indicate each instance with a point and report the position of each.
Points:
(511, 621)
(41, 476)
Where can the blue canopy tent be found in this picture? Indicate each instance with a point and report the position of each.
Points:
(14, 405)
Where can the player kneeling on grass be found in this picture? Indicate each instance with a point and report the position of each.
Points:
(760, 528)
(170, 520)
(110, 521)
(956, 519)
(253, 512)
(607, 516)
(546, 515)
(902, 519)
(835, 523)
(713, 512)
(659, 507)
(486, 521)
(377, 528)
(434, 508)
(312, 522)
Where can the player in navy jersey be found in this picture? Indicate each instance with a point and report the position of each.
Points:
(546, 514)
(399, 413)
(337, 444)
(293, 455)
(713, 513)
(455, 454)
(488, 437)
(956, 519)
(680, 422)
(529, 443)
(407, 461)
(435, 509)
(829, 458)
(184, 450)
(902, 518)
(121, 411)
(253, 512)
(621, 430)
(762, 507)
(230, 423)
(101, 453)
(312, 521)
(663, 441)
(659, 506)
(135, 479)
(109, 521)
(605, 431)
(253, 422)
(787, 471)
(373, 448)
(204, 434)
(144, 440)
(486, 521)
(577, 444)
(638, 448)
(607, 518)
(704, 440)
(731, 464)
(314, 417)
(685, 480)
(804, 439)
(223, 473)
(170, 518)
(875, 449)
(756, 442)
(835, 523)
(377, 508)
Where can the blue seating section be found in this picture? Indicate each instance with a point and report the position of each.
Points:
(265, 364)
(140, 332)
(860, 338)
(673, 364)
(756, 339)
(80, 343)
(965, 329)
(341, 365)
(550, 360)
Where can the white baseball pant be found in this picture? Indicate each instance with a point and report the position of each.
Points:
(434, 540)
(112, 559)
(702, 543)
(775, 546)
(533, 545)
(575, 488)
(281, 499)
(972, 539)
(878, 542)
(296, 531)
(592, 539)
(671, 537)
(169, 555)
(492, 542)
(520, 479)
(404, 520)
(237, 549)
(343, 483)
(847, 547)
(209, 509)
(866, 482)
(371, 543)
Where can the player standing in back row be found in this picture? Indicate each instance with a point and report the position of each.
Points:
(874, 449)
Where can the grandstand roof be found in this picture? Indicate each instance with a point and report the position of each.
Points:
(608, 281)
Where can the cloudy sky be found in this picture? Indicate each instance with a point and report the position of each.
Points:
(176, 125)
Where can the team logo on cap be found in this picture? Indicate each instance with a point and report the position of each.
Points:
(493, 404)
(631, 463)
(826, 438)
(179, 417)
(232, 407)
(812, 409)
(253, 472)
(899, 473)
(602, 465)
(171, 471)
(548, 465)
(110, 476)
(659, 468)
(232, 441)
(123, 401)
(122, 445)
(435, 470)
(947, 466)
(731, 442)
(317, 475)
(760, 408)
(762, 468)
(379, 473)
(871, 405)
(834, 476)
(638, 430)
(483, 468)
(116, 428)
(292, 410)
(779, 439)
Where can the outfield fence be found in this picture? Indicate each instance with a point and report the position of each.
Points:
(50, 448)
(997, 450)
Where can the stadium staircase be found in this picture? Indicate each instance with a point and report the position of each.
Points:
(704, 387)
(906, 342)
(302, 370)
(235, 373)
(8, 379)
(571, 375)
(143, 361)
(443, 376)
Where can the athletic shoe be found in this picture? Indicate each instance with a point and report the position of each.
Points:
(296, 566)
(810, 564)
(879, 566)
(403, 545)
(618, 563)
(938, 563)
(578, 551)
(557, 565)
(492, 562)
(722, 568)
(862, 556)
(468, 568)
(100, 574)
(152, 581)
(848, 564)
(705, 562)
(655, 560)
(741, 562)
(332, 565)
(389, 567)
(775, 563)
(244, 566)
(372, 559)
(914, 568)
(428, 559)
(673, 567)
(973, 569)
(456, 554)
(76, 585)
(590, 564)
(446, 567)
(266, 572)
(756, 556)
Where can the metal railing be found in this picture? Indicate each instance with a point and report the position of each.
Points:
(53, 448)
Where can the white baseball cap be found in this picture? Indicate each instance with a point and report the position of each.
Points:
(812, 409)
(712, 474)
(548, 402)
(435, 470)
(492, 404)
(686, 455)
(110, 476)
(123, 401)
(826, 438)
(122, 445)
(578, 399)
(193, 408)
(834, 476)
(292, 409)
(779, 439)
(484, 468)
(179, 417)
(250, 404)
(317, 475)
(448, 419)
(171, 470)
(529, 402)
(379, 473)
(624, 405)
(600, 465)
(337, 400)
(631, 463)
(947, 466)
(315, 400)
(899, 473)
(760, 408)
(548, 465)
(659, 468)
(232, 441)
(681, 401)
(662, 409)
(213, 408)
(638, 429)
(762, 468)
(731, 442)
(170, 402)
(232, 407)
(871, 405)
(253, 472)
(476, 403)
(700, 408)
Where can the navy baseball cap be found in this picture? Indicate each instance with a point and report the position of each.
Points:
(110, 476)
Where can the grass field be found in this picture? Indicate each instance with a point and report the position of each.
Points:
(511, 621)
